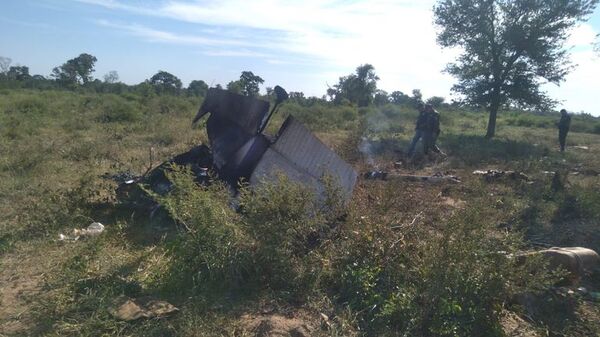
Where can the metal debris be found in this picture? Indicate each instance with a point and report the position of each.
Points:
(304, 158)
(434, 178)
(234, 120)
(494, 174)
(94, 229)
(239, 150)
(576, 261)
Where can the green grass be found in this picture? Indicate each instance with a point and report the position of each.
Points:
(401, 261)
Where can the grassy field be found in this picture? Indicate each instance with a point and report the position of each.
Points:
(405, 259)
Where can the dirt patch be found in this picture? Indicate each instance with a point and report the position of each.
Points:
(276, 325)
(21, 278)
(515, 326)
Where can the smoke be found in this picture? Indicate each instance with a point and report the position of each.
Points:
(375, 125)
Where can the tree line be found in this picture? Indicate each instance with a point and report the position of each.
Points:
(359, 88)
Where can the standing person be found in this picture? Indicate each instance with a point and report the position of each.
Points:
(563, 128)
(420, 129)
(432, 130)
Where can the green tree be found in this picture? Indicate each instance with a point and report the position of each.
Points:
(18, 73)
(250, 83)
(381, 98)
(398, 97)
(197, 88)
(358, 88)
(417, 96)
(164, 82)
(75, 71)
(435, 101)
(235, 86)
(510, 47)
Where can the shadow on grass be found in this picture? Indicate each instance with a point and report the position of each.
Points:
(474, 149)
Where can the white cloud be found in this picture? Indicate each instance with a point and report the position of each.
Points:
(156, 35)
(583, 35)
(397, 37)
(579, 91)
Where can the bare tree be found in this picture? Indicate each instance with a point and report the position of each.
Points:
(111, 77)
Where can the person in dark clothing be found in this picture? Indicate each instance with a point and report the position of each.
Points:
(420, 129)
(432, 130)
(563, 128)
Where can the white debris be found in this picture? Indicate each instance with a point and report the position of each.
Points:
(94, 229)
(581, 147)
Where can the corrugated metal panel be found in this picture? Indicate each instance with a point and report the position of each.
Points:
(273, 163)
(306, 154)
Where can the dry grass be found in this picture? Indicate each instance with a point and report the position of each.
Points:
(55, 146)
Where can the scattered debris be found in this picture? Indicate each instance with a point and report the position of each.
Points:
(92, 230)
(581, 147)
(240, 151)
(494, 174)
(577, 261)
(127, 309)
(435, 178)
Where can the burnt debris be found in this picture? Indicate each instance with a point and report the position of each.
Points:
(240, 151)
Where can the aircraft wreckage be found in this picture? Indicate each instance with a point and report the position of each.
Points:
(240, 150)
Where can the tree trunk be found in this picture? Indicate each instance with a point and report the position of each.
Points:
(494, 106)
(491, 129)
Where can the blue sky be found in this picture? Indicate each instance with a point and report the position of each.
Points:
(301, 45)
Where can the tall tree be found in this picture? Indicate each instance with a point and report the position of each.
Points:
(75, 71)
(250, 83)
(510, 48)
(165, 82)
(358, 88)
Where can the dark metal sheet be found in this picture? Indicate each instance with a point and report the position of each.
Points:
(244, 111)
(234, 120)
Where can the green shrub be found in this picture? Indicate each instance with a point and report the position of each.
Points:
(30, 105)
(453, 283)
(282, 217)
(117, 109)
(268, 244)
(212, 249)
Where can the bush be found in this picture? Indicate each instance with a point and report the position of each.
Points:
(212, 249)
(117, 109)
(268, 244)
(452, 283)
(30, 105)
(282, 218)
